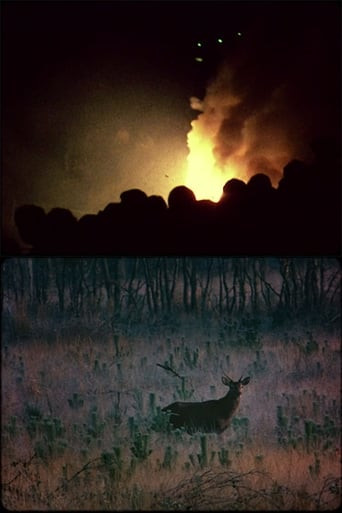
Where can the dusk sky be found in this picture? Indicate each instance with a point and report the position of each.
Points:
(98, 97)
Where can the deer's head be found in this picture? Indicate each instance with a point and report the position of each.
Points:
(235, 386)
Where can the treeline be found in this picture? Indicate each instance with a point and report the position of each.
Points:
(141, 288)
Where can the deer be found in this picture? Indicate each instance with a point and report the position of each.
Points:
(212, 416)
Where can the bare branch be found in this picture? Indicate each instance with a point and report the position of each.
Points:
(24, 464)
(168, 368)
(85, 467)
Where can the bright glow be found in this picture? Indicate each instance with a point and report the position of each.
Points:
(199, 44)
(239, 34)
(204, 177)
(198, 59)
(220, 40)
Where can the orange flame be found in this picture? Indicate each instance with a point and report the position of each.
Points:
(205, 177)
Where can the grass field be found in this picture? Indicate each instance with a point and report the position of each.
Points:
(82, 426)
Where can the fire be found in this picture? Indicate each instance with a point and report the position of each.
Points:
(204, 176)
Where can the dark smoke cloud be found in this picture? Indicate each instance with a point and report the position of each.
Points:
(279, 90)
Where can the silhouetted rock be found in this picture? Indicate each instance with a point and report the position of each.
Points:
(61, 231)
(89, 233)
(264, 166)
(10, 245)
(327, 153)
(134, 228)
(156, 204)
(133, 198)
(295, 206)
(230, 217)
(181, 198)
(300, 216)
(110, 229)
(156, 236)
(326, 186)
(295, 178)
(261, 213)
(204, 228)
(234, 188)
(180, 220)
(31, 223)
(259, 184)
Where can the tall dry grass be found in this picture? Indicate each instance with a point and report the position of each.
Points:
(92, 387)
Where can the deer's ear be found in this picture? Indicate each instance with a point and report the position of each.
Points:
(226, 381)
(245, 381)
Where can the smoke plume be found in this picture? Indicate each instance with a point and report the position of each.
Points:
(274, 94)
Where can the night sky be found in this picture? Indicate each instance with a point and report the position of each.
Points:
(96, 96)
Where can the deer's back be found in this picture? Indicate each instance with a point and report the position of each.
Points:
(180, 406)
(222, 407)
(205, 416)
